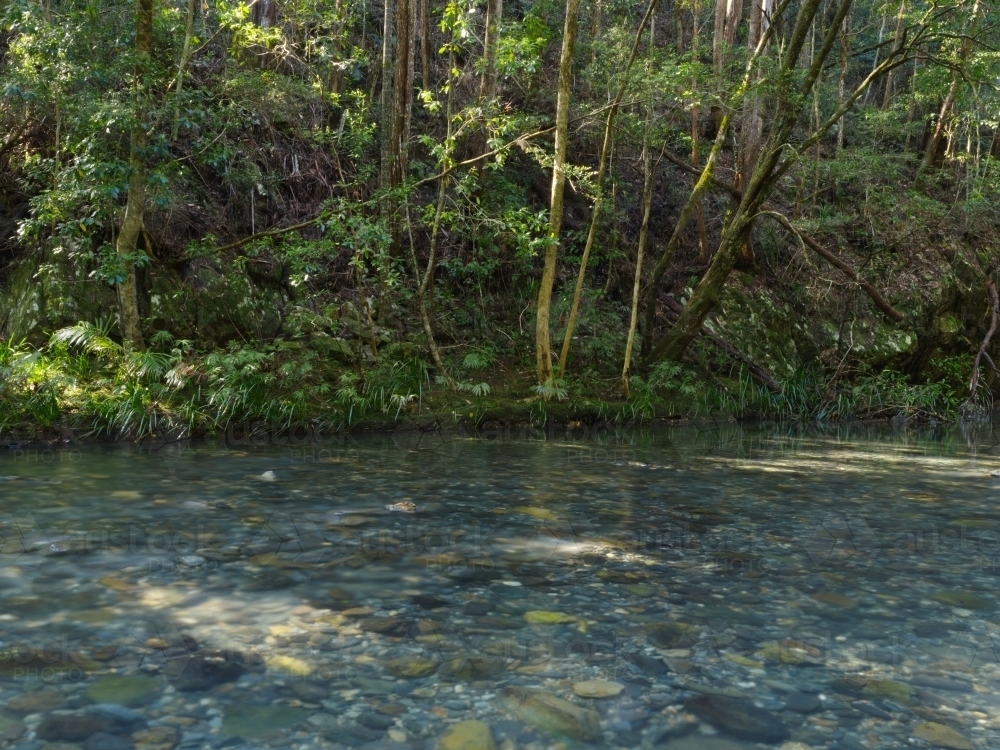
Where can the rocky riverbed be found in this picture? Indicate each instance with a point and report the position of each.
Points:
(685, 591)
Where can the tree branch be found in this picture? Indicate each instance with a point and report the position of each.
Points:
(833, 260)
(271, 233)
(805, 239)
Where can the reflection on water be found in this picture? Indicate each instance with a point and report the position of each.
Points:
(692, 588)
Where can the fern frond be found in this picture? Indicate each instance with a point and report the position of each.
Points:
(93, 339)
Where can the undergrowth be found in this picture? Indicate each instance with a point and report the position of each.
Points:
(84, 380)
(809, 395)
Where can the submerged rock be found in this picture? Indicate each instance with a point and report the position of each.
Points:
(544, 617)
(467, 735)
(834, 599)
(69, 727)
(477, 607)
(597, 689)
(376, 721)
(965, 600)
(412, 668)
(104, 741)
(673, 635)
(37, 661)
(861, 686)
(429, 601)
(669, 727)
(124, 690)
(155, 738)
(739, 718)
(69, 547)
(11, 729)
(311, 692)
(940, 682)
(549, 713)
(648, 664)
(204, 673)
(385, 625)
(940, 735)
(40, 700)
(257, 722)
(802, 703)
(471, 668)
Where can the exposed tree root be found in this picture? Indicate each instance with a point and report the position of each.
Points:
(969, 404)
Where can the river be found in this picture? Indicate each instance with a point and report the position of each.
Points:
(695, 588)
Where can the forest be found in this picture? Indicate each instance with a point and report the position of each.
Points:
(352, 212)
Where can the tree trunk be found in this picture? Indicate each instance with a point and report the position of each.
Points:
(601, 169)
(753, 124)
(718, 34)
(488, 82)
(667, 256)
(933, 144)
(727, 20)
(491, 38)
(407, 92)
(402, 90)
(897, 41)
(702, 234)
(385, 98)
(425, 45)
(596, 20)
(264, 13)
(334, 74)
(878, 51)
(647, 204)
(790, 100)
(128, 235)
(734, 12)
(425, 287)
(185, 51)
(845, 48)
(933, 155)
(543, 357)
(913, 112)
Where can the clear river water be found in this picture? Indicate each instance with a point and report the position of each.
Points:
(711, 588)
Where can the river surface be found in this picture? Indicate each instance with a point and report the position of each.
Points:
(688, 589)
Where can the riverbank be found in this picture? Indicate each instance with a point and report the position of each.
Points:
(52, 397)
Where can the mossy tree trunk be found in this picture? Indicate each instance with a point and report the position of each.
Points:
(602, 163)
(543, 349)
(790, 100)
(385, 97)
(128, 235)
(933, 151)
